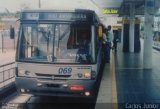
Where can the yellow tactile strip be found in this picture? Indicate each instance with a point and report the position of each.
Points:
(114, 88)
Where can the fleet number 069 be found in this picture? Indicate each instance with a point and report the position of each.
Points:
(65, 71)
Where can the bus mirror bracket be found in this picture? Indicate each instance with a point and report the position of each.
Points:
(12, 33)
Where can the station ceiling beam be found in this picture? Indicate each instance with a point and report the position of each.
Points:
(108, 3)
(124, 9)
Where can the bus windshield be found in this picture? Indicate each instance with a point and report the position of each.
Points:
(56, 43)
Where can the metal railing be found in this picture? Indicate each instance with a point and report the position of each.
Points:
(6, 43)
(7, 74)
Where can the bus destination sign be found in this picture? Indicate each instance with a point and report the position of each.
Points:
(54, 16)
(32, 16)
(63, 16)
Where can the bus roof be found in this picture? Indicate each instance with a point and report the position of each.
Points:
(58, 15)
(54, 10)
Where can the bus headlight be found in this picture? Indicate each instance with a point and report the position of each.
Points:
(80, 75)
(93, 74)
(87, 74)
(22, 72)
(27, 73)
(87, 93)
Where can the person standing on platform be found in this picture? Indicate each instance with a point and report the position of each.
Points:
(104, 42)
(115, 41)
(109, 43)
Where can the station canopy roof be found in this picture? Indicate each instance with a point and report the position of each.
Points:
(123, 6)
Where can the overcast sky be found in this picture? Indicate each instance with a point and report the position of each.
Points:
(17, 5)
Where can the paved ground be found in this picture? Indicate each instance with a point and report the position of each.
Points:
(136, 86)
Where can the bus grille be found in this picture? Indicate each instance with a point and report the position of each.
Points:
(53, 76)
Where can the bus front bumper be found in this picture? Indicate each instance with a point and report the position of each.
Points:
(71, 88)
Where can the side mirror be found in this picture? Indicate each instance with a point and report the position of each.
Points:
(100, 31)
(12, 33)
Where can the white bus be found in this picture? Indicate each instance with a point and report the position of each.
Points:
(59, 53)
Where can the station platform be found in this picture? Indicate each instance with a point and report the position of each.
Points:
(137, 87)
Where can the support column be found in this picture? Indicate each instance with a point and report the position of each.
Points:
(122, 33)
(148, 34)
(131, 28)
(39, 3)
